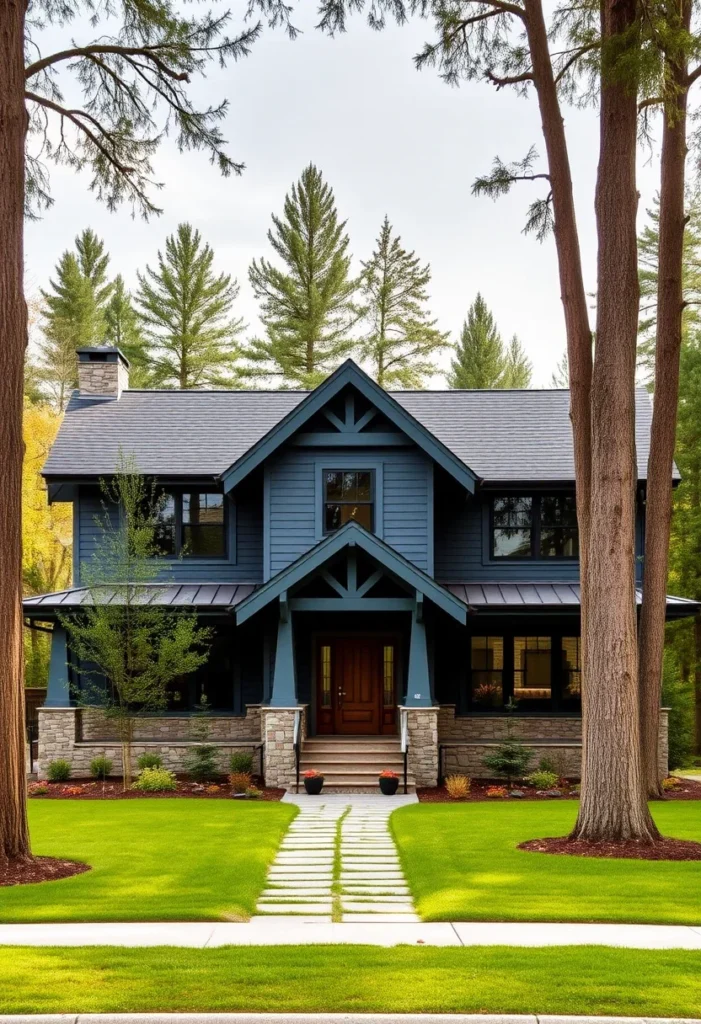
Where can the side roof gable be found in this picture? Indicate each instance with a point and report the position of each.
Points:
(349, 535)
(348, 373)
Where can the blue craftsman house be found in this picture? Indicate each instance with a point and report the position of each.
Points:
(385, 573)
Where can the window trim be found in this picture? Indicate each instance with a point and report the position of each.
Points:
(359, 463)
(535, 555)
(325, 501)
(229, 528)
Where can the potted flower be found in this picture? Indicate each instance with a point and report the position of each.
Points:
(389, 782)
(313, 781)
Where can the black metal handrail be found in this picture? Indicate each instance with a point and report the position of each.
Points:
(404, 743)
(296, 739)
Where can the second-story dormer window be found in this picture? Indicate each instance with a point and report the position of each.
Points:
(534, 526)
(348, 495)
(191, 524)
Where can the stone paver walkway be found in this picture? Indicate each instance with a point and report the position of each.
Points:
(338, 862)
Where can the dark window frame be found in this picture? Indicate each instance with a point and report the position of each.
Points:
(179, 548)
(559, 704)
(372, 501)
(536, 528)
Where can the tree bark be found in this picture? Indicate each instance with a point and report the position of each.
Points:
(14, 834)
(697, 684)
(668, 341)
(613, 805)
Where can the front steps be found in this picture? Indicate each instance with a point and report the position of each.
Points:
(352, 764)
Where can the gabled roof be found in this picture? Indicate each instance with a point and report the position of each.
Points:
(349, 373)
(501, 436)
(349, 535)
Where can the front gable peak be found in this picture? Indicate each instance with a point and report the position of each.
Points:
(348, 410)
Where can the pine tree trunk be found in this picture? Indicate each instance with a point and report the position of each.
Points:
(697, 684)
(668, 341)
(14, 834)
(613, 805)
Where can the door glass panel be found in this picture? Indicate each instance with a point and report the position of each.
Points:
(388, 675)
(326, 676)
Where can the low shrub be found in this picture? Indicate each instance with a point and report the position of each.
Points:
(240, 762)
(101, 767)
(252, 793)
(149, 761)
(497, 792)
(59, 770)
(546, 764)
(155, 780)
(542, 779)
(240, 782)
(37, 789)
(457, 786)
(200, 763)
(510, 759)
(671, 783)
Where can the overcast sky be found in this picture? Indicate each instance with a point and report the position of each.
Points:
(389, 140)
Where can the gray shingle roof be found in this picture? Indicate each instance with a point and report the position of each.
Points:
(499, 435)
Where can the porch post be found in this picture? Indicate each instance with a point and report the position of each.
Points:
(284, 693)
(418, 691)
(58, 690)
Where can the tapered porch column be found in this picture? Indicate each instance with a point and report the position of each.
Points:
(58, 690)
(418, 691)
(278, 718)
(422, 716)
(284, 693)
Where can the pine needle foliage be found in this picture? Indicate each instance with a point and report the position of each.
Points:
(186, 313)
(307, 302)
(481, 360)
(123, 330)
(403, 339)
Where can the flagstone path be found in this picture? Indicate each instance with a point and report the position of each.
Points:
(338, 862)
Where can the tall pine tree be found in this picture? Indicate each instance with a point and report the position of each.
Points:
(123, 329)
(307, 303)
(480, 361)
(93, 262)
(518, 369)
(71, 318)
(403, 339)
(560, 377)
(186, 312)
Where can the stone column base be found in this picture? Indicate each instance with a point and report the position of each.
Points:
(423, 745)
(277, 733)
(57, 732)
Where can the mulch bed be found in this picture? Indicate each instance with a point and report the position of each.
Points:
(664, 849)
(40, 869)
(688, 789)
(112, 790)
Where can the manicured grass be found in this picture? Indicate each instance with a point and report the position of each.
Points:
(462, 864)
(152, 860)
(569, 980)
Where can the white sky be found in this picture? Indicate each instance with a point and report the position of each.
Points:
(388, 139)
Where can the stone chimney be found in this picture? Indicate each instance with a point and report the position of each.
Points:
(102, 371)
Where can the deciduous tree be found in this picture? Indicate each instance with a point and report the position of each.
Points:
(403, 339)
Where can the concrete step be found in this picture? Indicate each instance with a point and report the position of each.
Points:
(361, 756)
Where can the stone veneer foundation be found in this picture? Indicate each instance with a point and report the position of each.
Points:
(467, 739)
(423, 745)
(80, 734)
(278, 725)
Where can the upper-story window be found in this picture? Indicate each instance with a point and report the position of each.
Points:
(534, 526)
(191, 524)
(348, 495)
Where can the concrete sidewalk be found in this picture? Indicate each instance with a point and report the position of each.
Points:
(293, 931)
(326, 1018)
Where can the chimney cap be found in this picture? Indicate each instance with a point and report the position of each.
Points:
(104, 353)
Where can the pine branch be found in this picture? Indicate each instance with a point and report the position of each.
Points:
(500, 83)
(98, 49)
(577, 55)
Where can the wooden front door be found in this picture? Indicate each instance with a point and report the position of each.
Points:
(355, 685)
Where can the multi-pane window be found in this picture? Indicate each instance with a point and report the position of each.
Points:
(388, 675)
(487, 672)
(325, 656)
(191, 525)
(348, 495)
(532, 670)
(534, 526)
(571, 650)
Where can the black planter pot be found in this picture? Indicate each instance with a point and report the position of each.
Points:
(313, 786)
(389, 786)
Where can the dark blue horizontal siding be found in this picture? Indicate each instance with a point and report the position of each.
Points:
(295, 502)
(247, 568)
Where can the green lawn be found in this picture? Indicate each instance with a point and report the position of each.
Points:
(462, 864)
(152, 860)
(570, 980)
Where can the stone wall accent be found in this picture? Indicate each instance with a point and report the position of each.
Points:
(467, 758)
(277, 733)
(61, 734)
(496, 727)
(165, 728)
(100, 377)
(423, 745)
